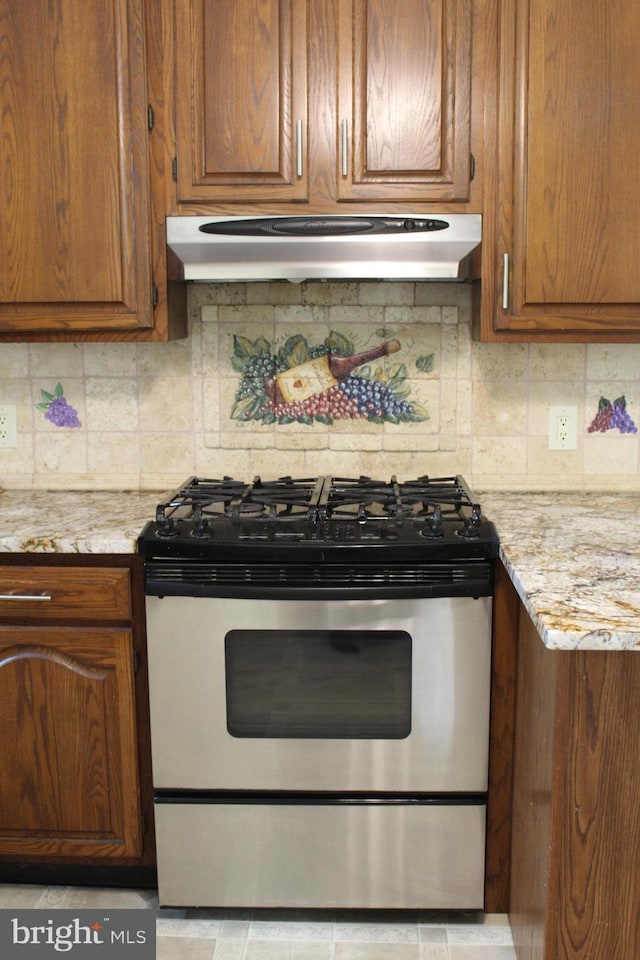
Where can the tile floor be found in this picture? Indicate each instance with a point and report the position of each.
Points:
(291, 935)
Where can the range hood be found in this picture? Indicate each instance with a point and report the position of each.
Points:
(342, 247)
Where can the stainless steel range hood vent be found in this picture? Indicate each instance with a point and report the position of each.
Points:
(344, 247)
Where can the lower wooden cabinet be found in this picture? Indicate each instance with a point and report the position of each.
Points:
(73, 726)
(575, 883)
(563, 818)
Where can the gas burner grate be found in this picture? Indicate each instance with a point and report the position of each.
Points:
(224, 515)
(444, 496)
(238, 500)
(317, 498)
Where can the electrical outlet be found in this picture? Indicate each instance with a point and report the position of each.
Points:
(8, 426)
(563, 428)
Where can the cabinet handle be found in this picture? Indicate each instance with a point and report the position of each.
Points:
(299, 148)
(345, 149)
(25, 596)
(505, 281)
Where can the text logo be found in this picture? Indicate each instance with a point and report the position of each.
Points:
(80, 934)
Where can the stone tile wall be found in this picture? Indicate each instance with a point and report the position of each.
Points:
(152, 414)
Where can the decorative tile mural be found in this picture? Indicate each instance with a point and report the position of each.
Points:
(612, 416)
(56, 409)
(307, 382)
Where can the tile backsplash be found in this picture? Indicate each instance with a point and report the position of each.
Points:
(240, 397)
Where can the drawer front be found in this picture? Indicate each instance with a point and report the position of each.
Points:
(321, 854)
(65, 593)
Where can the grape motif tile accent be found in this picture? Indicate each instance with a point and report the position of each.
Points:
(612, 416)
(56, 408)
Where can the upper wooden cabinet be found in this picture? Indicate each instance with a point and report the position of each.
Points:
(76, 223)
(322, 101)
(566, 211)
(404, 86)
(241, 80)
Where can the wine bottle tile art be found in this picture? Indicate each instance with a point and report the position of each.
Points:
(308, 382)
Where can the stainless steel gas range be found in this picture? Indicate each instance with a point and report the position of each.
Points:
(319, 671)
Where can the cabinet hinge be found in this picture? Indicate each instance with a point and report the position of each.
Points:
(150, 117)
(174, 169)
(154, 294)
(472, 166)
(136, 660)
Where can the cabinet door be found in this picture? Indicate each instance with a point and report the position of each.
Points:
(575, 883)
(241, 106)
(74, 204)
(69, 775)
(404, 95)
(569, 202)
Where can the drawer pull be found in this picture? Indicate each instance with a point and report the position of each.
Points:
(25, 596)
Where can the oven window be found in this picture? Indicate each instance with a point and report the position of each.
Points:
(329, 684)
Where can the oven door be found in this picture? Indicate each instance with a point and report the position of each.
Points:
(302, 695)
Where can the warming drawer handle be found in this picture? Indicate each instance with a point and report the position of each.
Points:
(25, 596)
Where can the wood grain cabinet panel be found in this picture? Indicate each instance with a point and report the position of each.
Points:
(241, 80)
(322, 101)
(567, 200)
(65, 593)
(404, 99)
(69, 779)
(77, 231)
(75, 780)
(575, 883)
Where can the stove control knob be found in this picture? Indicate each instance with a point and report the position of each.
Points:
(469, 531)
(201, 530)
(167, 528)
(432, 529)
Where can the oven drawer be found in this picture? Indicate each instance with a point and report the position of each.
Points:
(366, 853)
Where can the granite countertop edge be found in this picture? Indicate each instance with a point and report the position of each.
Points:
(79, 521)
(574, 559)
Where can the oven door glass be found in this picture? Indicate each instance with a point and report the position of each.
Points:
(320, 684)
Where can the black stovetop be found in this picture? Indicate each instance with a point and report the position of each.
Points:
(313, 518)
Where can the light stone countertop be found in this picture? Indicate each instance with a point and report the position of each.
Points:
(44, 521)
(574, 559)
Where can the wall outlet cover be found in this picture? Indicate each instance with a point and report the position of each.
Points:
(563, 428)
(8, 425)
